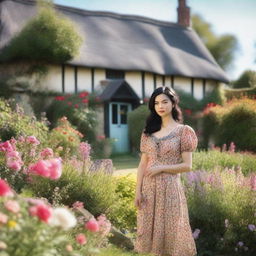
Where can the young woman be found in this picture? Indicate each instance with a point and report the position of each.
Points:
(166, 151)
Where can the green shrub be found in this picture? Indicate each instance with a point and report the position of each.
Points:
(64, 138)
(247, 79)
(48, 37)
(123, 214)
(235, 122)
(80, 110)
(14, 123)
(208, 160)
(222, 205)
(138, 117)
(95, 189)
(240, 93)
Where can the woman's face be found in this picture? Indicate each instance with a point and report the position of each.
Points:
(163, 105)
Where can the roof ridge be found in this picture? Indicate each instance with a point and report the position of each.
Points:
(109, 14)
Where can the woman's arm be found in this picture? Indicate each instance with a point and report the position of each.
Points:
(141, 171)
(185, 166)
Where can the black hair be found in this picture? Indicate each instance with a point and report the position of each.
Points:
(154, 121)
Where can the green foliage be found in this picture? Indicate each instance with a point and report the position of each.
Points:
(79, 110)
(235, 122)
(48, 37)
(138, 117)
(221, 47)
(222, 205)
(102, 148)
(64, 138)
(123, 214)
(208, 160)
(247, 79)
(14, 123)
(240, 93)
(95, 189)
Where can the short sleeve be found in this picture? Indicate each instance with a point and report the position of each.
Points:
(189, 139)
(143, 143)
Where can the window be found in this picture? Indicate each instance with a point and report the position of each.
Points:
(114, 74)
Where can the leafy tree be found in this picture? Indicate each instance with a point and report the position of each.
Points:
(246, 79)
(221, 47)
(48, 37)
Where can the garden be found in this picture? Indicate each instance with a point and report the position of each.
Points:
(50, 187)
(59, 197)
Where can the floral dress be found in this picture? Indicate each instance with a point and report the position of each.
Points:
(163, 226)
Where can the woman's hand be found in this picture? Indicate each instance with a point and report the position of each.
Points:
(153, 171)
(138, 200)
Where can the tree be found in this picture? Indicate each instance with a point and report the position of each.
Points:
(246, 79)
(48, 37)
(221, 47)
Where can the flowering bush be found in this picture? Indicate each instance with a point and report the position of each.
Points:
(33, 227)
(22, 159)
(77, 182)
(64, 138)
(207, 160)
(222, 207)
(80, 111)
(234, 121)
(14, 123)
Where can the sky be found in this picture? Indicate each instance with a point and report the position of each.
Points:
(236, 17)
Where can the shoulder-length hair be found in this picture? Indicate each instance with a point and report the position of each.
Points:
(154, 121)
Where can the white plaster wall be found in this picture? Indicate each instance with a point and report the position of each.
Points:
(149, 84)
(84, 79)
(159, 81)
(168, 81)
(99, 75)
(198, 89)
(133, 78)
(53, 79)
(210, 85)
(69, 79)
(182, 83)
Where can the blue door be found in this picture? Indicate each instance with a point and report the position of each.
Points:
(118, 125)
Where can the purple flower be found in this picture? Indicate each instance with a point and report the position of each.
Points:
(85, 150)
(251, 227)
(240, 244)
(196, 233)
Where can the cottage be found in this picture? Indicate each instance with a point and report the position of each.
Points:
(123, 58)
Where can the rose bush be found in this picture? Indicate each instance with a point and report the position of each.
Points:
(31, 226)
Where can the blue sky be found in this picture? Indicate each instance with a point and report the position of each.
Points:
(236, 17)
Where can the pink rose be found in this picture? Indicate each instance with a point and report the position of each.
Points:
(32, 140)
(3, 218)
(5, 190)
(14, 154)
(40, 168)
(6, 146)
(12, 164)
(78, 205)
(47, 152)
(55, 168)
(12, 206)
(81, 239)
(92, 225)
(42, 211)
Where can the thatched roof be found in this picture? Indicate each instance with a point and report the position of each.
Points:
(124, 42)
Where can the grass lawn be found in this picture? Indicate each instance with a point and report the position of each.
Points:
(125, 161)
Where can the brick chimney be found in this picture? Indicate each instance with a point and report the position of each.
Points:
(183, 14)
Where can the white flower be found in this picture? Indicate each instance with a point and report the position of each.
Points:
(62, 217)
